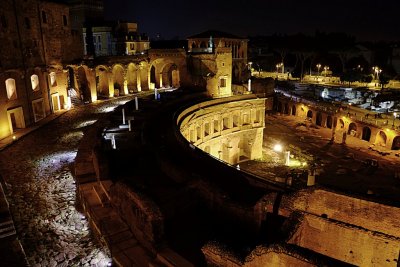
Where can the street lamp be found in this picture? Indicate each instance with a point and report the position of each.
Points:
(318, 67)
(376, 70)
(279, 65)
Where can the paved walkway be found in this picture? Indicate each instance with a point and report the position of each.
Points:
(40, 189)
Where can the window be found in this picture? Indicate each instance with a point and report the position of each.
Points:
(132, 45)
(198, 132)
(53, 79)
(99, 39)
(246, 120)
(35, 82)
(206, 129)
(216, 126)
(3, 21)
(65, 21)
(11, 89)
(27, 23)
(222, 82)
(225, 122)
(258, 116)
(44, 16)
(235, 120)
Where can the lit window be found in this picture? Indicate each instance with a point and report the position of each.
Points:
(222, 82)
(53, 79)
(11, 89)
(35, 82)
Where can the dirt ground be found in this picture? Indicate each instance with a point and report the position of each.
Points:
(346, 167)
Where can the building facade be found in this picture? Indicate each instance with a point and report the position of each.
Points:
(32, 81)
(207, 41)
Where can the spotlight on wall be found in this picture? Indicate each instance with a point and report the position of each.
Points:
(14, 137)
(278, 148)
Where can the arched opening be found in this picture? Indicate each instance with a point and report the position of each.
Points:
(35, 82)
(84, 86)
(170, 75)
(286, 111)
(153, 79)
(102, 82)
(318, 119)
(194, 45)
(294, 110)
(352, 129)
(341, 124)
(366, 134)
(118, 80)
(53, 79)
(131, 77)
(203, 45)
(309, 114)
(381, 139)
(329, 122)
(396, 143)
(11, 89)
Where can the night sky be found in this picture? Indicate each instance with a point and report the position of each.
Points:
(366, 20)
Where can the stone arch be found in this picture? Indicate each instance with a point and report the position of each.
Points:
(341, 124)
(381, 138)
(132, 78)
(164, 72)
(294, 110)
(286, 110)
(84, 85)
(309, 114)
(194, 45)
(329, 122)
(102, 81)
(170, 75)
(118, 80)
(153, 77)
(366, 134)
(352, 129)
(203, 44)
(396, 143)
(318, 119)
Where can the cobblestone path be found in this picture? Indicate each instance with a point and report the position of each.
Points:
(42, 192)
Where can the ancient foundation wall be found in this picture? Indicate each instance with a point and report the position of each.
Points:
(347, 243)
(140, 213)
(217, 255)
(360, 212)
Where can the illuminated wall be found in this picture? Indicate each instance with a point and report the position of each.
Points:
(229, 131)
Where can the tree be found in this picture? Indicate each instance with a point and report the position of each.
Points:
(383, 80)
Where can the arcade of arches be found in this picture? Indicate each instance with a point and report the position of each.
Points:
(388, 138)
(127, 77)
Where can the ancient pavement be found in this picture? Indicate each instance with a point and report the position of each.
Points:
(41, 191)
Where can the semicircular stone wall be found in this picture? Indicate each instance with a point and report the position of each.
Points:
(229, 129)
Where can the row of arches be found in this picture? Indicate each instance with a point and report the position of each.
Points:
(119, 79)
(364, 132)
